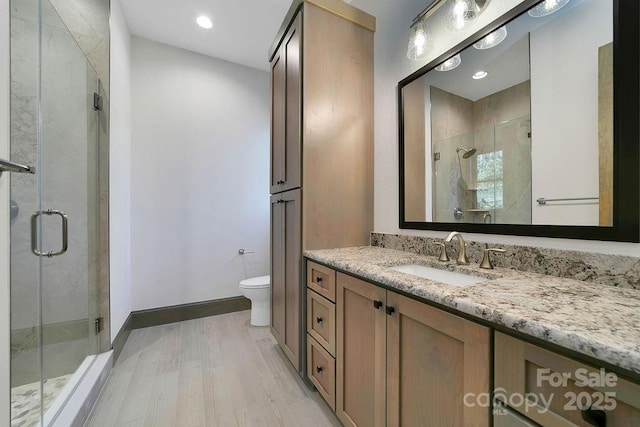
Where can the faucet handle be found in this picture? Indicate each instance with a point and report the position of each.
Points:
(443, 252)
(486, 259)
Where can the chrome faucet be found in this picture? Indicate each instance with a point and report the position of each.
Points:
(462, 248)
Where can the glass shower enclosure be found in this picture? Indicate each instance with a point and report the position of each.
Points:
(58, 122)
(484, 176)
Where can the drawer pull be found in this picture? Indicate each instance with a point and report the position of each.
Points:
(319, 369)
(318, 319)
(595, 417)
(318, 280)
(377, 304)
(390, 310)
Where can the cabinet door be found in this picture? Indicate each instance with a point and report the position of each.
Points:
(562, 392)
(360, 371)
(286, 113)
(285, 273)
(434, 358)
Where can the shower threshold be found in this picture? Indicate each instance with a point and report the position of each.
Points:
(64, 397)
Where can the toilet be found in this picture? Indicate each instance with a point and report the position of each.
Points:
(258, 290)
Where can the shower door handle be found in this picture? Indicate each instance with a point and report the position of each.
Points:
(34, 233)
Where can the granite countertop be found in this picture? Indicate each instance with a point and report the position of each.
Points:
(599, 321)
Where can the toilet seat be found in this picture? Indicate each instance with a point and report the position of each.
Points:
(256, 282)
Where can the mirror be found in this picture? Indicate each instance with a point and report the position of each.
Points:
(514, 134)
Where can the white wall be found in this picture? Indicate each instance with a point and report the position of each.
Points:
(200, 175)
(4, 217)
(391, 65)
(120, 170)
(565, 122)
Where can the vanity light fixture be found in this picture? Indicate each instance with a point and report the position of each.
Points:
(492, 39)
(460, 13)
(480, 75)
(419, 41)
(450, 63)
(205, 22)
(547, 7)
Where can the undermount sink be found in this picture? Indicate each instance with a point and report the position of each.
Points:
(438, 275)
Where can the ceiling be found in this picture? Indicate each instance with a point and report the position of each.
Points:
(506, 64)
(243, 30)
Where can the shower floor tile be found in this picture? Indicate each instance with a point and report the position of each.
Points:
(25, 400)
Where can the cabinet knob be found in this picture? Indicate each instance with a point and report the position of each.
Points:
(595, 417)
(318, 319)
(318, 279)
(319, 369)
(377, 304)
(390, 310)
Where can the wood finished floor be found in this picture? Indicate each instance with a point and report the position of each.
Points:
(215, 371)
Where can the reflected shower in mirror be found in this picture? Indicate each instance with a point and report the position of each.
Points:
(520, 131)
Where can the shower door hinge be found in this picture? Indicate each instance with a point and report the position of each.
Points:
(97, 102)
(99, 323)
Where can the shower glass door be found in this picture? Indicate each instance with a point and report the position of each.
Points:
(54, 226)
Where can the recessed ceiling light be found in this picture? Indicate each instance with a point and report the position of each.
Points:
(480, 75)
(450, 63)
(204, 22)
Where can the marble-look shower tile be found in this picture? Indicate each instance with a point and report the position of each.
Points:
(24, 271)
(24, 56)
(88, 21)
(24, 147)
(502, 106)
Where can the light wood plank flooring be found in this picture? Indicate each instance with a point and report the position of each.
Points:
(215, 371)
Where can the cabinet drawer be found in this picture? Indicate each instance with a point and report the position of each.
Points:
(505, 417)
(322, 280)
(321, 321)
(321, 369)
(565, 390)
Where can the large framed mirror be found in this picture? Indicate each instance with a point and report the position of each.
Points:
(529, 127)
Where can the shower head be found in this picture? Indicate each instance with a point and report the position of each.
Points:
(467, 152)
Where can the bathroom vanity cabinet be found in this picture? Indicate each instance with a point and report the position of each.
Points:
(397, 361)
(386, 359)
(574, 391)
(402, 362)
(321, 146)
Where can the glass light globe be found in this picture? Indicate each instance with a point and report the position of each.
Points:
(419, 42)
(547, 7)
(492, 39)
(450, 63)
(460, 13)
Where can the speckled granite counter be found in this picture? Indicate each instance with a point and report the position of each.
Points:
(601, 322)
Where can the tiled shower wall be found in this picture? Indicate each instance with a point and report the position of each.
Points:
(67, 162)
(498, 122)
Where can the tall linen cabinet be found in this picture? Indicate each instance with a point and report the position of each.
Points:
(321, 149)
